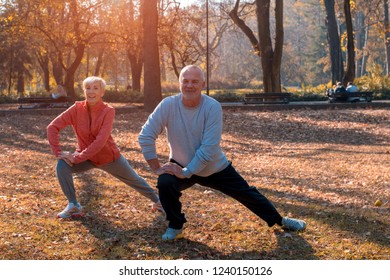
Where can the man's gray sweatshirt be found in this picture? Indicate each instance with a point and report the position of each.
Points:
(194, 135)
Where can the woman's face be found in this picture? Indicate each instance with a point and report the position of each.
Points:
(93, 93)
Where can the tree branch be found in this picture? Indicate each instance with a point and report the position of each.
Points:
(233, 14)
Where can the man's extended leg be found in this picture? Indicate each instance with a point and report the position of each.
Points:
(232, 184)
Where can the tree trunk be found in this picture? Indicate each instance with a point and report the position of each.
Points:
(136, 74)
(359, 42)
(58, 72)
(337, 68)
(350, 73)
(99, 62)
(20, 82)
(135, 48)
(270, 59)
(278, 50)
(163, 69)
(265, 42)
(70, 72)
(365, 51)
(387, 35)
(43, 60)
(136, 63)
(87, 63)
(174, 64)
(11, 69)
(152, 82)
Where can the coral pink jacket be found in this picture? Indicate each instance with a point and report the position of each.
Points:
(93, 131)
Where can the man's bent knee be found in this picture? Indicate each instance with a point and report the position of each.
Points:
(166, 181)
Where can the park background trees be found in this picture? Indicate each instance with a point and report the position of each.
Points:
(44, 43)
(271, 55)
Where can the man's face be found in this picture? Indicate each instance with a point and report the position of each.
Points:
(93, 93)
(191, 84)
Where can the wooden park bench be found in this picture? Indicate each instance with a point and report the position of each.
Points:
(45, 102)
(353, 97)
(267, 98)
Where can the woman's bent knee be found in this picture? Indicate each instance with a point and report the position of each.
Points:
(62, 166)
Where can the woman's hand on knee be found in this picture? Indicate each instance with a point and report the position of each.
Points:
(67, 157)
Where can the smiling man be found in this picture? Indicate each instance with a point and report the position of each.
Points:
(194, 128)
(92, 121)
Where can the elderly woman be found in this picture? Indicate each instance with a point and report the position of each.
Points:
(92, 121)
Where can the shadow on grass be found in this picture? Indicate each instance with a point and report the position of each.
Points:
(143, 240)
(281, 130)
(30, 135)
(347, 220)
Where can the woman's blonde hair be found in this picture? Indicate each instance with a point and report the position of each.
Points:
(93, 79)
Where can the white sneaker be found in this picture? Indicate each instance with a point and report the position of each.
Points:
(172, 234)
(293, 224)
(71, 211)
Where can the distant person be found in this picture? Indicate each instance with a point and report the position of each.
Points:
(59, 92)
(351, 87)
(193, 122)
(340, 88)
(92, 121)
(340, 92)
(330, 92)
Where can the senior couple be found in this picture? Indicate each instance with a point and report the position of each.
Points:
(193, 122)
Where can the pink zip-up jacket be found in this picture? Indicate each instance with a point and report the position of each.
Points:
(93, 132)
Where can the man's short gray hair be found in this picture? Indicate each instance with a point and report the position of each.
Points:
(189, 67)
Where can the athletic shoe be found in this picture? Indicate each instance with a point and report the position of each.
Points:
(71, 211)
(293, 224)
(157, 207)
(172, 234)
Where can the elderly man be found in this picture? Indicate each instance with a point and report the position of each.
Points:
(194, 127)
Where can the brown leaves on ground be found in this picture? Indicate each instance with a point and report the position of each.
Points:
(328, 167)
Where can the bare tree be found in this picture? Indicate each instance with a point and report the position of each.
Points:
(271, 57)
(72, 32)
(182, 34)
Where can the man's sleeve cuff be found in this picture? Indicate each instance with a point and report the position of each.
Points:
(149, 155)
(187, 173)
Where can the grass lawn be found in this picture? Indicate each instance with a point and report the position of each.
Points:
(328, 167)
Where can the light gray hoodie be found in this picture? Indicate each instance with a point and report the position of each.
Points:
(194, 135)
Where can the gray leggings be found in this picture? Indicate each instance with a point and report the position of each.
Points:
(119, 168)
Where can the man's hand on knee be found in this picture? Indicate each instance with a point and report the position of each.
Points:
(173, 169)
